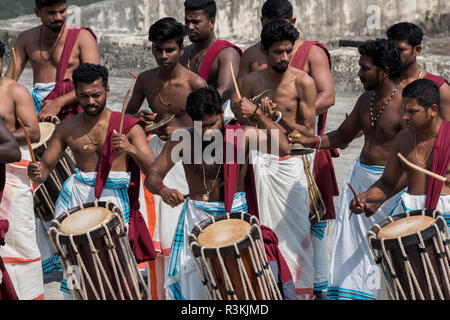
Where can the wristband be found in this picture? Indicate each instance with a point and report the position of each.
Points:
(279, 117)
(160, 188)
(320, 142)
(316, 141)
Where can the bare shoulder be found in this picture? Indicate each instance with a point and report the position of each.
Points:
(229, 53)
(317, 54)
(29, 34)
(85, 36)
(251, 51)
(301, 77)
(68, 126)
(195, 81)
(147, 76)
(16, 89)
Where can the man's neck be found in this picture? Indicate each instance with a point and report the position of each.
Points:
(274, 75)
(92, 120)
(431, 132)
(412, 72)
(166, 75)
(50, 33)
(205, 44)
(385, 89)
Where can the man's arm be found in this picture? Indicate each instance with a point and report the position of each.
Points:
(24, 109)
(319, 67)
(224, 78)
(445, 102)
(245, 63)
(9, 148)
(21, 58)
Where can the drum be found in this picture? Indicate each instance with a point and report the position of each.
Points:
(92, 243)
(46, 194)
(412, 250)
(231, 259)
(317, 208)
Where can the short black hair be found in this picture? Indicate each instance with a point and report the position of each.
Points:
(2, 50)
(209, 7)
(277, 9)
(425, 91)
(276, 31)
(410, 32)
(167, 29)
(203, 102)
(89, 73)
(46, 3)
(384, 53)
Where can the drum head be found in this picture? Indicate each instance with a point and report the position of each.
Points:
(224, 233)
(157, 125)
(405, 227)
(47, 129)
(86, 220)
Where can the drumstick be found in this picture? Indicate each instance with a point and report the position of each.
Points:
(133, 75)
(355, 195)
(123, 111)
(236, 88)
(13, 75)
(200, 192)
(27, 137)
(427, 172)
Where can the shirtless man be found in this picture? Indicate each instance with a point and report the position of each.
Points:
(9, 148)
(20, 253)
(52, 67)
(408, 38)
(204, 107)
(166, 87)
(378, 114)
(208, 56)
(424, 143)
(93, 137)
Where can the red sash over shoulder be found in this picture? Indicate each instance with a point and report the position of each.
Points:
(437, 80)
(7, 291)
(64, 86)
(441, 160)
(323, 164)
(138, 234)
(211, 55)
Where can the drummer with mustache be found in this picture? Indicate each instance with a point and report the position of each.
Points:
(106, 159)
(20, 253)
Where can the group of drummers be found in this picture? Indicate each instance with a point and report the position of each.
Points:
(216, 180)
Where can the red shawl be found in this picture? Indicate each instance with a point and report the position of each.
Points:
(7, 291)
(140, 239)
(64, 86)
(211, 55)
(437, 80)
(441, 160)
(2, 179)
(323, 164)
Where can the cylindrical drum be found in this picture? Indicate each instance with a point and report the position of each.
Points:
(231, 259)
(412, 250)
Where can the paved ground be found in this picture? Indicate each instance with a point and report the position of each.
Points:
(344, 104)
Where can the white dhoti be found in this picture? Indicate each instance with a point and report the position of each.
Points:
(39, 92)
(353, 272)
(283, 204)
(21, 254)
(183, 279)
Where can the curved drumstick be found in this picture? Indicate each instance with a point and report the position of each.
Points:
(236, 88)
(124, 107)
(427, 172)
(133, 75)
(27, 137)
(13, 75)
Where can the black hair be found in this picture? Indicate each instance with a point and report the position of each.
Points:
(209, 7)
(167, 29)
(384, 53)
(89, 73)
(276, 31)
(406, 31)
(2, 50)
(46, 3)
(277, 9)
(203, 102)
(425, 91)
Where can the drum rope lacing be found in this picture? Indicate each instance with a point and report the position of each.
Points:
(442, 249)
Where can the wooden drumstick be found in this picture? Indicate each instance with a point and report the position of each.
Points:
(236, 88)
(13, 75)
(133, 75)
(27, 137)
(124, 107)
(427, 172)
(355, 196)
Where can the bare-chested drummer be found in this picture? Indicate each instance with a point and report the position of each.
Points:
(166, 87)
(408, 38)
(20, 253)
(54, 50)
(206, 179)
(283, 196)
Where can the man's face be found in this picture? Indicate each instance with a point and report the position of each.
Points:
(368, 74)
(167, 54)
(279, 55)
(416, 117)
(92, 97)
(198, 25)
(54, 17)
(408, 53)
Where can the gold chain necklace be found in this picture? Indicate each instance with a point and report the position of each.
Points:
(205, 197)
(199, 60)
(159, 87)
(94, 142)
(422, 164)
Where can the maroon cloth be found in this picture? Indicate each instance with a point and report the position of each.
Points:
(138, 234)
(211, 55)
(7, 291)
(441, 160)
(437, 80)
(2, 179)
(64, 86)
(323, 164)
